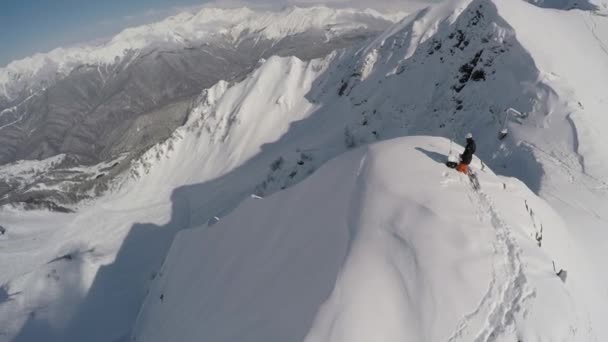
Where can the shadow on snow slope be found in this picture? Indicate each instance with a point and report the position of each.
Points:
(110, 307)
(113, 305)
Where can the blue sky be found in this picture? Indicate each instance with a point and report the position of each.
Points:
(31, 26)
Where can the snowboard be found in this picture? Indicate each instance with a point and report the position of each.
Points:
(452, 161)
(451, 164)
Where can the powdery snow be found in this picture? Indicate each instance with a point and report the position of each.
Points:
(423, 260)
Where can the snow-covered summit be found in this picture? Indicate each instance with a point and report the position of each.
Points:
(381, 244)
(186, 30)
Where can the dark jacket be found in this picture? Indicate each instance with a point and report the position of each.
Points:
(467, 156)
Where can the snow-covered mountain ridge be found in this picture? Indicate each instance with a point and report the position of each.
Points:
(101, 103)
(469, 61)
(184, 30)
(443, 71)
(357, 253)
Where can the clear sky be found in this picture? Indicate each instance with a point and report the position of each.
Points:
(30, 26)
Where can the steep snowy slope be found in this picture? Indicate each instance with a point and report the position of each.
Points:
(97, 103)
(414, 252)
(83, 276)
(441, 72)
(456, 68)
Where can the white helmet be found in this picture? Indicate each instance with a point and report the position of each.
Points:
(469, 136)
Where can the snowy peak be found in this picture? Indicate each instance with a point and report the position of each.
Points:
(234, 23)
(186, 30)
(471, 60)
(365, 256)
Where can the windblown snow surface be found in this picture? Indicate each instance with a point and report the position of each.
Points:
(415, 254)
(382, 243)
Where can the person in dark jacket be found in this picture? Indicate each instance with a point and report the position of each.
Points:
(467, 156)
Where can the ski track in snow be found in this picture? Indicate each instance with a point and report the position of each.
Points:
(507, 291)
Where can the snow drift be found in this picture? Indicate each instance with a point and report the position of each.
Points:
(415, 254)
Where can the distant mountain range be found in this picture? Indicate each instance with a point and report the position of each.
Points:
(96, 102)
(93, 104)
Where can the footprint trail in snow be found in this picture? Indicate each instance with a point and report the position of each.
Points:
(507, 292)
